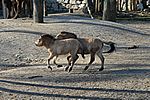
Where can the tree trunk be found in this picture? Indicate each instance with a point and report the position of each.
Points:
(109, 12)
(38, 11)
(120, 3)
(5, 14)
(96, 6)
(127, 5)
(99, 5)
(70, 10)
(102, 6)
(45, 8)
(89, 8)
(144, 4)
(135, 5)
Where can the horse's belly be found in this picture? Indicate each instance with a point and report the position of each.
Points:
(62, 51)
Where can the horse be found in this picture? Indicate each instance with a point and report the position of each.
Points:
(57, 47)
(92, 46)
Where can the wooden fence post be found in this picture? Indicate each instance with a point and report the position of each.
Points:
(38, 11)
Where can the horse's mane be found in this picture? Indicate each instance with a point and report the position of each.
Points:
(49, 36)
(69, 33)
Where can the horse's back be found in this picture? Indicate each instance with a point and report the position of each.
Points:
(70, 41)
(66, 45)
(89, 44)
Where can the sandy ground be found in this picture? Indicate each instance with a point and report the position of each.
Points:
(25, 76)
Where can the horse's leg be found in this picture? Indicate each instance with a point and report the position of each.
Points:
(91, 60)
(56, 63)
(69, 60)
(69, 63)
(48, 61)
(74, 59)
(99, 54)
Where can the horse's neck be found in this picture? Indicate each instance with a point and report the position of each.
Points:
(49, 45)
(53, 45)
(52, 48)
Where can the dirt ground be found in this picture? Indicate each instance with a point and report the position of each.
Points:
(25, 76)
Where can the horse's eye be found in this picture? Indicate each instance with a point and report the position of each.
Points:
(40, 40)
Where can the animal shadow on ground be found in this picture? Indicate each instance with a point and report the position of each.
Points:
(65, 20)
(112, 72)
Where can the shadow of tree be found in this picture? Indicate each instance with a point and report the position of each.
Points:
(127, 65)
(48, 95)
(20, 65)
(111, 72)
(23, 31)
(104, 25)
(66, 88)
(76, 22)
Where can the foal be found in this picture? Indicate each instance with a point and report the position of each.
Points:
(59, 47)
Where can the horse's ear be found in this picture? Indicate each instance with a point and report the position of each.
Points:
(42, 35)
(62, 32)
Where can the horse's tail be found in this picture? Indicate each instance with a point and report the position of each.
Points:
(112, 47)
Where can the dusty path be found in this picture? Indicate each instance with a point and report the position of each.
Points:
(24, 75)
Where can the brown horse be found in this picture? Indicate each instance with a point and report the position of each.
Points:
(59, 47)
(92, 46)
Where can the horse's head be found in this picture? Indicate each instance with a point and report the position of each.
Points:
(45, 40)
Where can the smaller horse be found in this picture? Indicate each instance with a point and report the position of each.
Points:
(59, 47)
(92, 46)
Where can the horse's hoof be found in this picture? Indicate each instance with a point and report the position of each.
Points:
(59, 66)
(66, 69)
(86, 68)
(69, 64)
(50, 67)
(101, 69)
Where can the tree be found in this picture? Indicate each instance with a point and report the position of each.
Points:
(89, 8)
(38, 11)
(109, 12)
(127, 5)
(5, 14)
(98, 6)
(45, 8)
